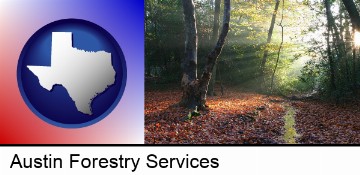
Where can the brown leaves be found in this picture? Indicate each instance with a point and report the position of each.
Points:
(319, 122)
(220, 124)
(248, 118)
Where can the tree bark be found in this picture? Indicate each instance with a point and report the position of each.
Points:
(354, 65)
(329, 53)
(280, 47)
(354, 71)
(353, 13)
(194, 90)
(215, 34)
(189, 64)
(271, 29)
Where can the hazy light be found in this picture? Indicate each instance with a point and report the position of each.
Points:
(357, 39)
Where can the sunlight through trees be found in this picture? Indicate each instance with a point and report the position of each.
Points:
(357, 39)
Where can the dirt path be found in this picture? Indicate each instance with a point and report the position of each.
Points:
(289, 125)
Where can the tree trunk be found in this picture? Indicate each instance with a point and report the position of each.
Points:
(355, 20)
(353, 13)
(266, 51)
(354, 65)
(211, 90)
(189, 64)
(341, 19)
(329, 53)
(194, 90)
(280, 47)
(216, 27)
(337, 36)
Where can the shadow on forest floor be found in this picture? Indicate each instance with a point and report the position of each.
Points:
(249, 118)
(236, 118)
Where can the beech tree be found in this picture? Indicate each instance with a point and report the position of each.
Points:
(194, 88)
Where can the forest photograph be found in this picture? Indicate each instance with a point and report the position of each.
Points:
(252, 72)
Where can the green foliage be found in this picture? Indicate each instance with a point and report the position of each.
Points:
(338, 81)
(163, 38)
(192, 114)
(308, 80)
(303, 65)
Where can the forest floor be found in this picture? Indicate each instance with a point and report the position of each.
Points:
(249, 118)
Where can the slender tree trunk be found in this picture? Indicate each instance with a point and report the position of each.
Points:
(266, 51)
(280, 47)
(348, 38)
(271, 29)
(329, 54)
(354, 70)
(216, 27)
(214, 54)
(341, 19)
(337, 36)
(344, 66)
(354, 65)
(195, 90)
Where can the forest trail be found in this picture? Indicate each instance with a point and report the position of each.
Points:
(289, 126)
(249, 118)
